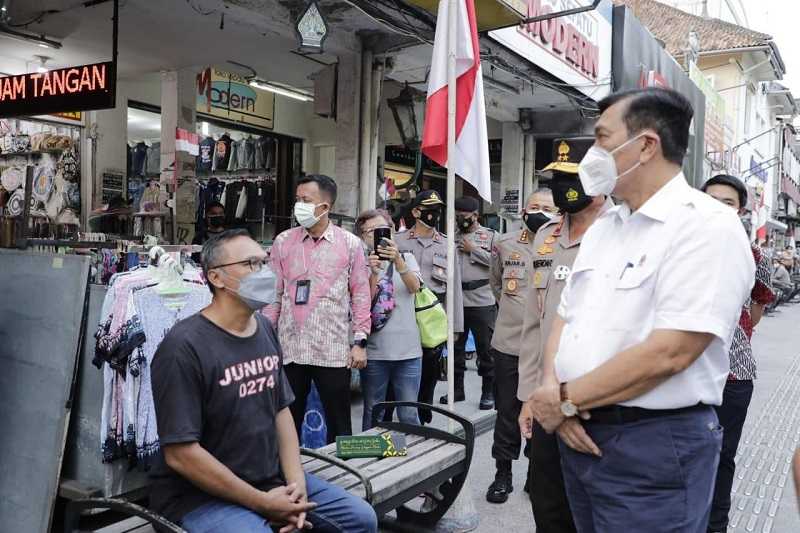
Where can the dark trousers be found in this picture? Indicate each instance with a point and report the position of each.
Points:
(428, 380)
(479, 320)
(507, 438)
(655, 475)
(333, 385)
(732, 413)
(551, 510)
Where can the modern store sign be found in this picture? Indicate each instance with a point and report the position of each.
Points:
(226, 95)
(575, 49)
(68, 89)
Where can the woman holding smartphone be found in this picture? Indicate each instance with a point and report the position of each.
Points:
(394, 352)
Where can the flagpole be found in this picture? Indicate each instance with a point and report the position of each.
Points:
(452, 19)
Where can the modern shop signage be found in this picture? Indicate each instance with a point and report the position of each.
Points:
(56, 91)
(575, 49)
(718, 132)
(226, 95)
(639, 60)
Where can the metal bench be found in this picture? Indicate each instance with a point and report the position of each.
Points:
(437, 460)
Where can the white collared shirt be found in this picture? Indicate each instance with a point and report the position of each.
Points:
(681, 262)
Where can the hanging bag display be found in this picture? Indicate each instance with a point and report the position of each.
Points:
(431, 318)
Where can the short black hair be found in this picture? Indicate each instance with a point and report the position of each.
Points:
(211, 205)
(212, 250)
(325, 183)
(667, 112)
(731, 181)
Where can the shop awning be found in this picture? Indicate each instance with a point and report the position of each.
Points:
(491, 14)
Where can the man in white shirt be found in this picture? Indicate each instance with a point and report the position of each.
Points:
(639, 351)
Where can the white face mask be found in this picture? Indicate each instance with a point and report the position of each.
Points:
(304, 213)
(598, 170)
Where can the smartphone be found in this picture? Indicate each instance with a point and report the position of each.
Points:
(378, 235)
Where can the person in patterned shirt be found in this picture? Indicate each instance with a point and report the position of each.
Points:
(322, 301)
(739, 388)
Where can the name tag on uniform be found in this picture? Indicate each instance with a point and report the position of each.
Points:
(561, 273)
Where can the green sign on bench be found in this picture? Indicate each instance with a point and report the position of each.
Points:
(358, 446)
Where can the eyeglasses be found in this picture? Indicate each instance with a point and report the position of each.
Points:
(255, 263)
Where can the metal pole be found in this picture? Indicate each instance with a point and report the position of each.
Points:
(452, 19)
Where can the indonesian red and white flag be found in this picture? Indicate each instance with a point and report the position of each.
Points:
(762, 215)
(471, 157)
(186, 141)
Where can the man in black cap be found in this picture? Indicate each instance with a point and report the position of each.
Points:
(429, 248)
(475, 244)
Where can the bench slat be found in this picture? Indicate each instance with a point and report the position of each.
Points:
(375, 471)
(317, 466)
(405, 476)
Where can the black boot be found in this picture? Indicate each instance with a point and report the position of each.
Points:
(487, 395)
(502, 485)
(459, 389)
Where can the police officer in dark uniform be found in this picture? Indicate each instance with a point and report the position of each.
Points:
(429, 248)
(475, 244)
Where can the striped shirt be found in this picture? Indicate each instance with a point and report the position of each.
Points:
(318, 332)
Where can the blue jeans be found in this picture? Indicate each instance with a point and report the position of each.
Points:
(655, 475)
(404, 376)
(337, 511)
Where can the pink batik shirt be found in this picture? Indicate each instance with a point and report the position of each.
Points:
(318, 332)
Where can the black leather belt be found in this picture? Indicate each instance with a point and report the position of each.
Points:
(621, 414)
(472, 285)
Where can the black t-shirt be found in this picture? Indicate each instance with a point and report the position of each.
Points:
(222, 391)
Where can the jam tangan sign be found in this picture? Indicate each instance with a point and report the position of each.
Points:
(71, 89)
(575, 48)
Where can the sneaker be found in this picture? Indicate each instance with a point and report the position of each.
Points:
(500, 488)
(487, 401)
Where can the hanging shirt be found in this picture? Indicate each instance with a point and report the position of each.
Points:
(318, 332)
(680, 262)
(205, 158)
(222, 153)
(223, 392)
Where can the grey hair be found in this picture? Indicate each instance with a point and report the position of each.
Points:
(540, 190)
(214, 250)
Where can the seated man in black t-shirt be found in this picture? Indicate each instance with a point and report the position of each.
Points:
(231, 460)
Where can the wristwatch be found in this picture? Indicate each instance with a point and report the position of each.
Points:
(360, 341)
(568, 409)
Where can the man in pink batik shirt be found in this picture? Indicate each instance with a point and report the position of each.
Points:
(322, 297)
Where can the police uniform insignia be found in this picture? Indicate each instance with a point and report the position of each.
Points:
(561, 273)
(523, 238)
(537, 278)
(511, 285)
(572, 195)
(544, 250)
(515, 256)
(550, 240)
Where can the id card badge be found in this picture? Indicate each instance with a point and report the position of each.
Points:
(303, 292)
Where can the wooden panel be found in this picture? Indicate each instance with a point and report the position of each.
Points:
(397, 480)
(317, 466)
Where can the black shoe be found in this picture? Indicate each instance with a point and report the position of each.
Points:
(487, 401)
(500, 488)
(460, 397)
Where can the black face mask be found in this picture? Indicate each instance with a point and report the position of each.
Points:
(217, 221)
(464, 222)
(568, 194)
(534, 221)
(430, 217)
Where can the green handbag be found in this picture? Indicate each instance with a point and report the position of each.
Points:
(431, 318)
